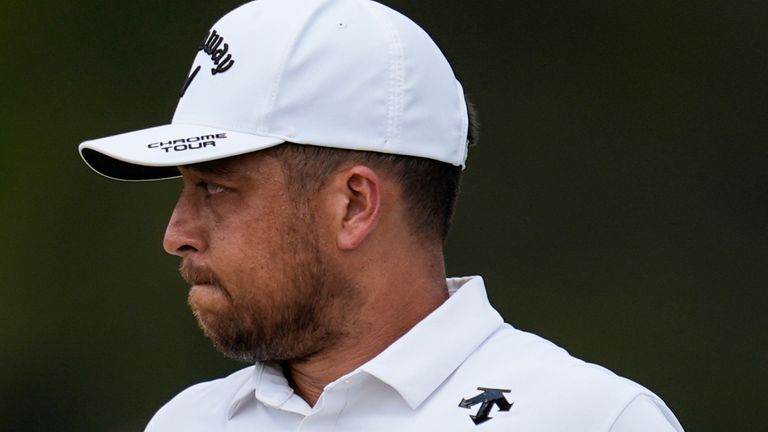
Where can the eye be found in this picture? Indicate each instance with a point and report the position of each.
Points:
(210, 188)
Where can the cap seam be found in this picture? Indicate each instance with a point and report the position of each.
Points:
(291, 47)
(397, 85)
(396, 77)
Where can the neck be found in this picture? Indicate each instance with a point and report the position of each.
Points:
(388, 314)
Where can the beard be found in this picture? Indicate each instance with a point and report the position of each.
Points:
(306, 313)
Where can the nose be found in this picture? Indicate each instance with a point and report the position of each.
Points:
(184, 234)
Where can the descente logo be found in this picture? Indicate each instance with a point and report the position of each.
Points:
(191, 143)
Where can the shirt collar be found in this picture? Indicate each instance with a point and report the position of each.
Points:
(417, 363)
(266, 383)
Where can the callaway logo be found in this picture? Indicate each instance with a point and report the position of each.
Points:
(191, 143)
(213, 44)
(487, 399)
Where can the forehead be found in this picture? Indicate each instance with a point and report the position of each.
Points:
(256, 164)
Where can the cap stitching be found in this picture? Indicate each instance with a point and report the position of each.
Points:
(291, 47)
(398, 87)
(394, 93)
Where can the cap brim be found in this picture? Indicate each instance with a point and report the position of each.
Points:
(154, 153)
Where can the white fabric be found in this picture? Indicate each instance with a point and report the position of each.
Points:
(349, 74)
(645, 414)
(417, 383)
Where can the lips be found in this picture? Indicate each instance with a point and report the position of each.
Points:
(197, 274)
(204, 288)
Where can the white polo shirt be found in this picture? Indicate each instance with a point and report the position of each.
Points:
(459, 369)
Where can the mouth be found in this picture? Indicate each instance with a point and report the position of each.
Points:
(203, 285)
(202, 280)
(197, 275)
(207, 289)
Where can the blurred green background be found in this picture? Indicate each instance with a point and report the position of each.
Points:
(617, 203)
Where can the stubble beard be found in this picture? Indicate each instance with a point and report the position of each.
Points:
(309, 313)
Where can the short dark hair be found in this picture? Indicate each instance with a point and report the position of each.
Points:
(429, 187)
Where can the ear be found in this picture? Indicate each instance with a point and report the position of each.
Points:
(358, 193)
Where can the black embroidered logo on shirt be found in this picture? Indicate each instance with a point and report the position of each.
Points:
(488, 398)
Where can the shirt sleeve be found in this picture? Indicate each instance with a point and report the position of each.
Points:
(645, 414)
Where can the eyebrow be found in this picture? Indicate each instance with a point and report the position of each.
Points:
(218, 168)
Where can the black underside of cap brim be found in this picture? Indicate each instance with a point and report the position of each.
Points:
(117, 169)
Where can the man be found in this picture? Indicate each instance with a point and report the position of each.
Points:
(320, 144)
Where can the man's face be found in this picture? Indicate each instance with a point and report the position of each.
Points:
(262, 287)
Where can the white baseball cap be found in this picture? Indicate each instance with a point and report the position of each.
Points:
(348, 74)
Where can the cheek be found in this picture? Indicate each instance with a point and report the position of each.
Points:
(248, 254)
(250, 240)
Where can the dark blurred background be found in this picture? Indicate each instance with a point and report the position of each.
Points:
(617, 203)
